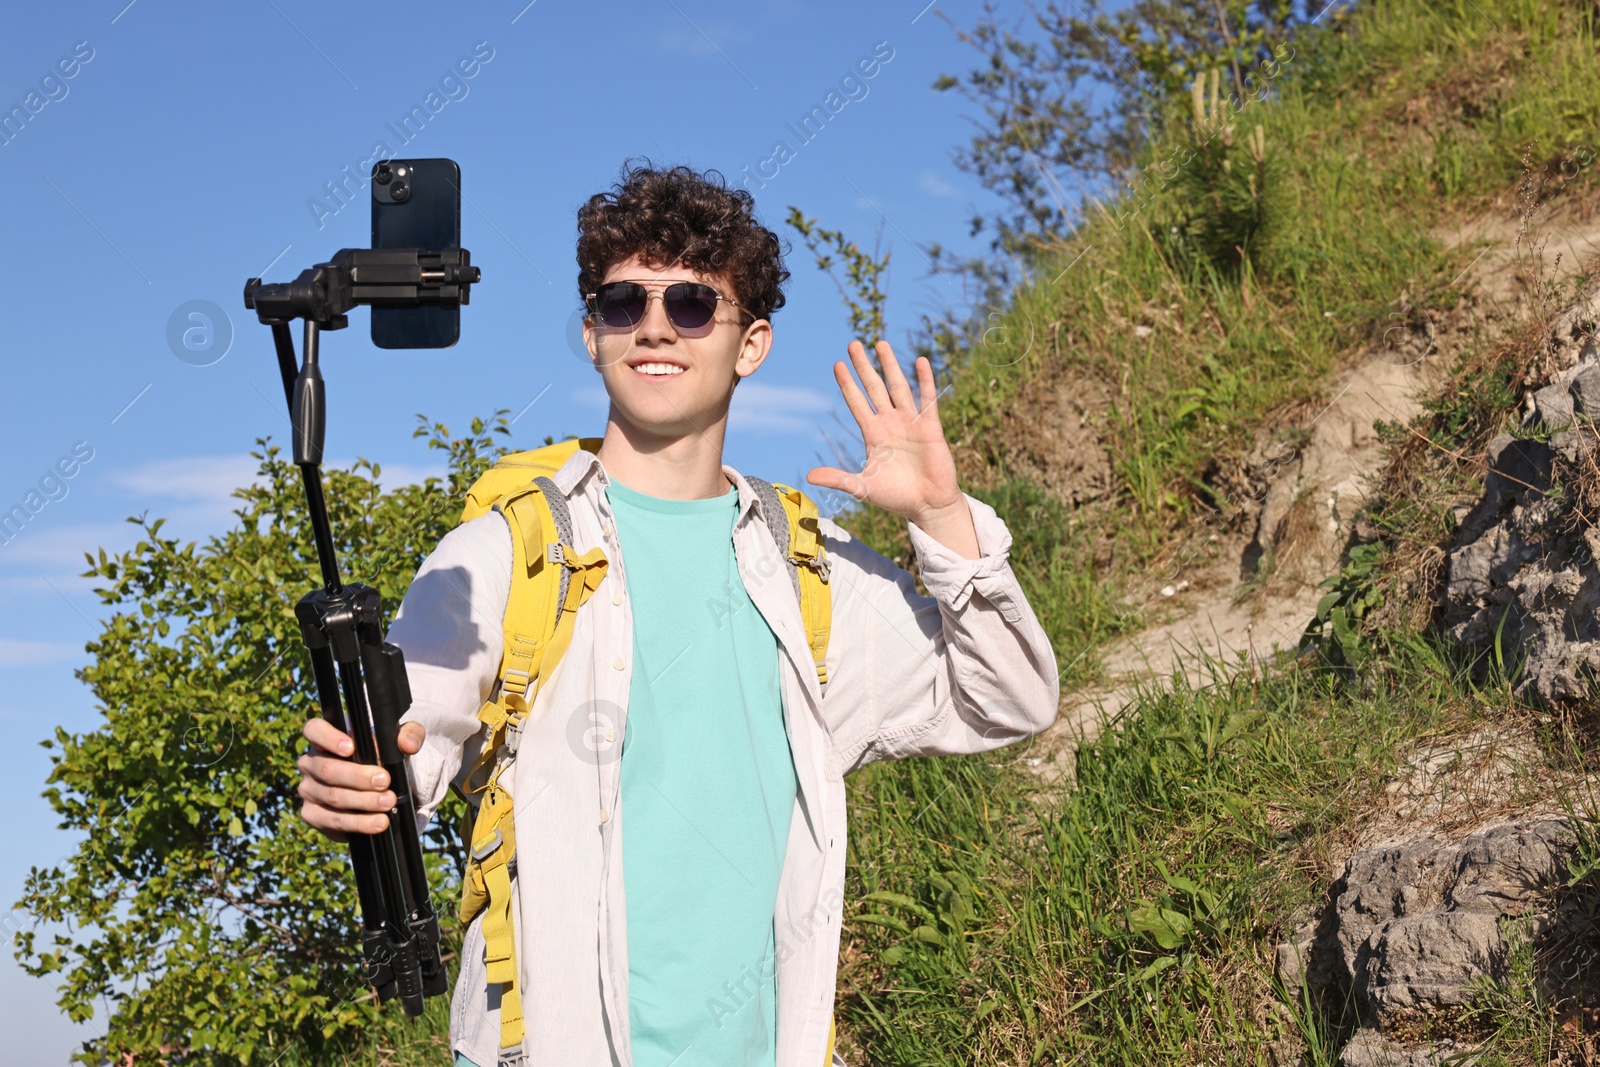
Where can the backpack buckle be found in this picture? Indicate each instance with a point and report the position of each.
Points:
(480, 854)
(819, 563)
(515, 681)
(556, 553)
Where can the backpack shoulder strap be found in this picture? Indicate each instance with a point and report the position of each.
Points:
(550, 581)
(799, 541)
(515, 470)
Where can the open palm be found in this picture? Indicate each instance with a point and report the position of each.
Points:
(909, 469)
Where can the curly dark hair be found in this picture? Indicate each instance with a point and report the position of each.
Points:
(682, 217)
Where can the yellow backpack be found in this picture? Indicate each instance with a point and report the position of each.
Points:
(550, 581)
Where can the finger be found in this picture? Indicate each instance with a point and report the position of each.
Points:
(869, 377)
(344, 822)
(412, 734)
(899, 388)
(834, 478)
(336, 799)
(330, 770)
(927, 390)
(853, 397)
(328, 737)
(314, 817)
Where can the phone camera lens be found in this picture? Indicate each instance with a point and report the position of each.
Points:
(400, 192)
(383, 175)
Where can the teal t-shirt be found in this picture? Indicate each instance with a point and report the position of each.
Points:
(708, 788)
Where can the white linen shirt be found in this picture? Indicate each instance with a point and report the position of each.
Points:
(966, 670)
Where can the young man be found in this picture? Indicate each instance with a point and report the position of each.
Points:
(679, 889)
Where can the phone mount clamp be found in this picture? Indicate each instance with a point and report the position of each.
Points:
(360, 678)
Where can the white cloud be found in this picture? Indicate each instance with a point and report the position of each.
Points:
(189, 478)
(19, 652)
(933, 185)
(759, 407)
(212, 479)
(60, 549)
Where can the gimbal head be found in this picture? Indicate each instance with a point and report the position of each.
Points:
(381, 277)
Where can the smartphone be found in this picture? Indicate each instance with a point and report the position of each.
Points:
(416, 203)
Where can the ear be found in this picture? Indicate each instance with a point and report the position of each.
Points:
(753, 347)
(591, 342)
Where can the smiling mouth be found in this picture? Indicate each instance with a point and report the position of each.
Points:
(654, 369)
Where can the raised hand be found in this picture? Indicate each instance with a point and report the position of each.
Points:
(909, 469)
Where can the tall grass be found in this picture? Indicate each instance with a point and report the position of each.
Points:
(1133, 920)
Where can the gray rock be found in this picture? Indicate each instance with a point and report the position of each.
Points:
(1501, 871)
(1429, 961)
(1410, 926)
(1368, 1048)
(1585, 390)
(1522, 572)
(1552, 408)
(1385, 883)
(1294, 956)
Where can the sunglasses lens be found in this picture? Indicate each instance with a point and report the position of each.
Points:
(690, 305)
(620, 304)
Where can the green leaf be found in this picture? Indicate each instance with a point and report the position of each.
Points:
(1170, 929)
(1156, 968)
(880, 919)
(899, 900)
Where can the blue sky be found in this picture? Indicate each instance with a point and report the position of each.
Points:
(182, 155)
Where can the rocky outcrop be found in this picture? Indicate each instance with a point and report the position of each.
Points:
(1523, 574)
(1411, 926)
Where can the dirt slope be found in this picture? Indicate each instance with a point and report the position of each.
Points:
(1227, 602)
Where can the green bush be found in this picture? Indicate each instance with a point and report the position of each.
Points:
(214, 921)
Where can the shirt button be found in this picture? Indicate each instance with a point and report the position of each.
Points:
(605, 816)
(616, 595)
(605, 528)
(618, 663)
(611, 735)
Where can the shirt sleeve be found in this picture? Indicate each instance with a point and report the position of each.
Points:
(449, 627)
(965, 669)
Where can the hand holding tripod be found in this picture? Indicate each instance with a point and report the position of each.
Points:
(361, 678)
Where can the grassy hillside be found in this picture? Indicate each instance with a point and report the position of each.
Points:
(1133, 920)
(1396, 120)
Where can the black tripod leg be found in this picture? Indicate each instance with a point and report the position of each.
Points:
(375, 921)
(389, 695)
(393, 881)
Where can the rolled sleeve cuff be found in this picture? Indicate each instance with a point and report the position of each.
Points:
(952, 578)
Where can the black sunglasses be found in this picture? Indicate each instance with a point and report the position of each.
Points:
(689, 305)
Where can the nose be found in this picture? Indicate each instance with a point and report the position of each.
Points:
(655, 326)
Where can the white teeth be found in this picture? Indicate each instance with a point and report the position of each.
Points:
(658, 368)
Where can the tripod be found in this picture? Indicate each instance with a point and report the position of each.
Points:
(361, 678)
